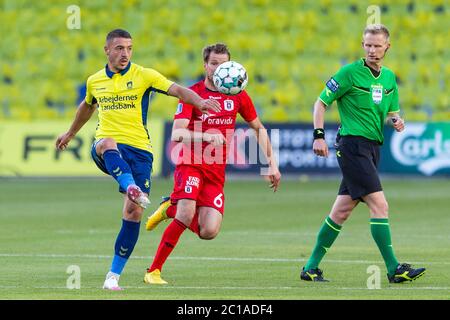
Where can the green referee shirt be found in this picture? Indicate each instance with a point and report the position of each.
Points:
(363, 100)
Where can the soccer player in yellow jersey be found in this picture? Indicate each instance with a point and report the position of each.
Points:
(122, 148)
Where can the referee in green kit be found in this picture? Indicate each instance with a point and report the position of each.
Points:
(367, 94)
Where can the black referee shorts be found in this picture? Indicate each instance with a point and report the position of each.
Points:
(358, 158)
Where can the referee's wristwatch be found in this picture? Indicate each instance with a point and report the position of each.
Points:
(319, 133)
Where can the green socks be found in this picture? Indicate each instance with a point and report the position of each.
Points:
(330, 230)
(327, 234)
(382, 235)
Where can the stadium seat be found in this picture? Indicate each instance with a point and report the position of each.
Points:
(286, 47)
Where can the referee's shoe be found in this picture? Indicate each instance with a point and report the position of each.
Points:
(312, 275)
(405, 272)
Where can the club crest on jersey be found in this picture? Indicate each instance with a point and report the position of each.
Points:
(228, 105)
(377, 93)
(179, 108)
(130, 84)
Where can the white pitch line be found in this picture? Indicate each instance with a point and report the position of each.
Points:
(286, 288)
(320, 287)
(244, 259)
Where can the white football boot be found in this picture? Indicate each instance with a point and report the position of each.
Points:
(112, 282)
(136, 195)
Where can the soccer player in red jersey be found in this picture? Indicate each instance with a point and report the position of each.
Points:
(197, 201)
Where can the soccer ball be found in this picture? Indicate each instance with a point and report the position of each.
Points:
(230, 78)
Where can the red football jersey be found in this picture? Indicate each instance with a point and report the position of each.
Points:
(202, 153)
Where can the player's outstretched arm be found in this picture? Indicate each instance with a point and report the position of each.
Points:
(191, 97)
(320, 146)
(84, 113)
(265, 145)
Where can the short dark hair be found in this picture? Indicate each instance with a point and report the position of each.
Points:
(118, 33)
(218, 48)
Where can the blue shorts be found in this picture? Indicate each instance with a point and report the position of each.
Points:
(140, 162)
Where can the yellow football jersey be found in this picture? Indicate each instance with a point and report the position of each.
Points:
(123, 100)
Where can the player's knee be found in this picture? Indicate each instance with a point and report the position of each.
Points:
(106, 144)
(340, 216)
(380, 209)
(185, 215)
(132, 213)
(208, 234)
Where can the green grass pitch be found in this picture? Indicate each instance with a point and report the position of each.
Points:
(48, 225)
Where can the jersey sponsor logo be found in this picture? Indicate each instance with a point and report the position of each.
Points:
(377, 93)
(118, 106)
(193, 181)
(117, 98)
(179, 108)
(117, 102)
(130, 85)
(228, 105)
(220, 121)
(203, 117)
(332, 85)
(214, 97)
(100, 89)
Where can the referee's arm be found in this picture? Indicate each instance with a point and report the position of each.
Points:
(397, 122)
(320, 147)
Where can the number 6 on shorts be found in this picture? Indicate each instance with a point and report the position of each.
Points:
(218, 201)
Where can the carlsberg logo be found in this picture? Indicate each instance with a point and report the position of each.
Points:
(426, 146)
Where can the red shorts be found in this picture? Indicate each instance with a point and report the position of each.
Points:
(199, 185)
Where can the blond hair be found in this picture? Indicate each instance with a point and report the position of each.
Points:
(377, 29)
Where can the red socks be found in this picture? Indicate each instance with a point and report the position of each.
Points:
(171, 212)
(168, 242)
